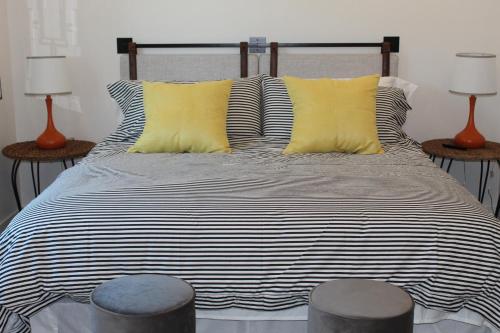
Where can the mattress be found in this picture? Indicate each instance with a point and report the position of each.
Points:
(254, 230)
(71, 317)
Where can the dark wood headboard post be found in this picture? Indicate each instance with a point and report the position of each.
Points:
(244, 59)
(386, 59)
(132, 60)
(274, 60)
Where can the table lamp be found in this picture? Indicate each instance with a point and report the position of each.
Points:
(48, 76)
(474, 75)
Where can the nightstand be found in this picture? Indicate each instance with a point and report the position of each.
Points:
(491, 152)
(29, 152)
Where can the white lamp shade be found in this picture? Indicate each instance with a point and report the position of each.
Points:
(47, 76)
(475, 74)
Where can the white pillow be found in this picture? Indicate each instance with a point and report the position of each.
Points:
(396, 82)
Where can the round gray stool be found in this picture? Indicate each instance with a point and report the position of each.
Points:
(359, 306)
(143, 303)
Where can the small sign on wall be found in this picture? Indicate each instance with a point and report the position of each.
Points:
(257, 45)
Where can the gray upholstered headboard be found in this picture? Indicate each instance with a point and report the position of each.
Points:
(188, 67)
(202, 67)
(328, 65)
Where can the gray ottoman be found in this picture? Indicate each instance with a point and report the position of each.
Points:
(143, 303)
(359, 306)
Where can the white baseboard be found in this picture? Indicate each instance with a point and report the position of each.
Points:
(7, 219)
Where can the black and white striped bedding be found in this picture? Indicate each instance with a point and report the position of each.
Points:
(254, 229)
(243, 115)
(392, 107)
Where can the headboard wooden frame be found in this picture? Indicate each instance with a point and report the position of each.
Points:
(388, 46)
(127, 45)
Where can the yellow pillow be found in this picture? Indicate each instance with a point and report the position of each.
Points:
(184, 118)
(334, 115)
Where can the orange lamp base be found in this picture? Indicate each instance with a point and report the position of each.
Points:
(51, 138)
(470, 137)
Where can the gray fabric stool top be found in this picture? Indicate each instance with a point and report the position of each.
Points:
(359, 306)
(143, 303)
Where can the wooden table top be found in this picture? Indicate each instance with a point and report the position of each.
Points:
(490, 152)
(28, 151)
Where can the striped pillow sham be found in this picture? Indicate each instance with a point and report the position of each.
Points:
(243, 118)
(278, 111)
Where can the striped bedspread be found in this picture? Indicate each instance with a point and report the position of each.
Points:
(254, 229)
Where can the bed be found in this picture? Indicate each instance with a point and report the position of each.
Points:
(253, 231)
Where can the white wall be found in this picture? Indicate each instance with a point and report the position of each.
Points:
(431, 33)
(7, 132)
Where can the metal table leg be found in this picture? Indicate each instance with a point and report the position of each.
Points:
(443, 161)
(449, 166)
(482, 187)
(35, 178)
(13, 178)
(480, 182)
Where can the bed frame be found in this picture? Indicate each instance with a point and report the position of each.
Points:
(128, 46)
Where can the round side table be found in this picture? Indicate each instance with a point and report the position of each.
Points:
(491, 152)
(28, 151)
